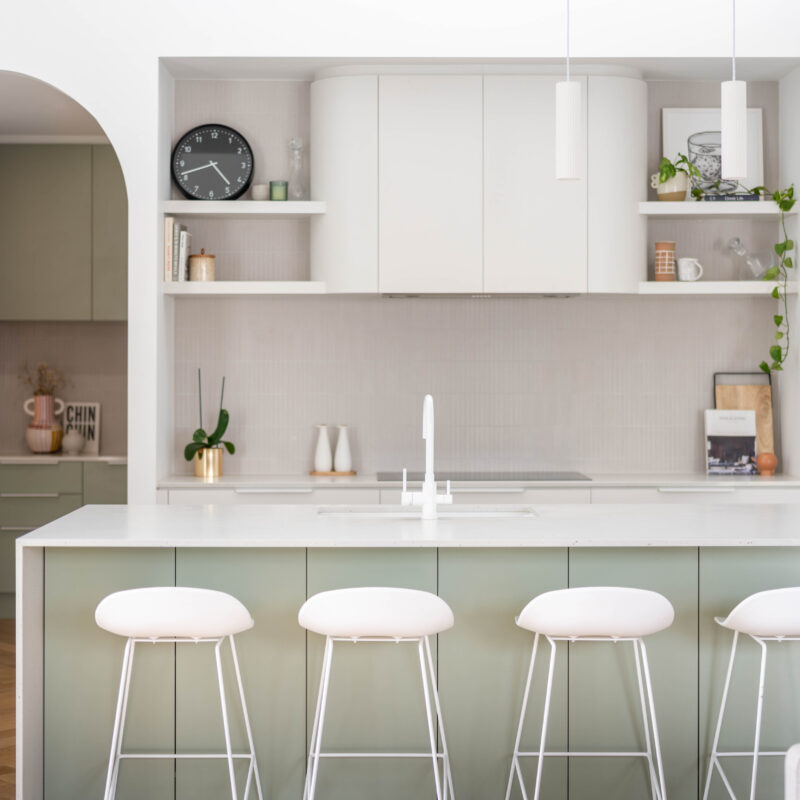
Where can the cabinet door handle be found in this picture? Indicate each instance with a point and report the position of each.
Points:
(29, 494)
(273, 491)
(696, 490)
(490, 490)
(16, 528)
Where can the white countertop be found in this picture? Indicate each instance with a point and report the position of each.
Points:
(57, 458)
(597, 481)
(302, 526)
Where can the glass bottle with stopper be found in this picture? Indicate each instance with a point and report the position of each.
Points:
(297, 178)
(753, 265)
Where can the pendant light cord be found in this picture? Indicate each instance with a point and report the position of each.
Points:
(733, 48)
(567, 39)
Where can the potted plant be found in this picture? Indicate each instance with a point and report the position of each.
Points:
(44, 433)
(206, 449)
(673, 178)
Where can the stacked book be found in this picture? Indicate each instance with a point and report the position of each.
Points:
(177, 246)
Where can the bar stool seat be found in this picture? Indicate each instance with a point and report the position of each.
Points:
(385, 615)
(172, 611)
(375, 612)
(774, 613)
(177, 615)
(603, 611)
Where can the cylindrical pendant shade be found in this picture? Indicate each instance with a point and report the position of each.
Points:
(734, 130)
(568, 130)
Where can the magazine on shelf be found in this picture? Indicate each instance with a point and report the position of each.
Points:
(730, 442)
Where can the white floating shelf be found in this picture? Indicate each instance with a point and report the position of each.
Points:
(217, 288)
(691, 209)
(244, 209)
(743, 288)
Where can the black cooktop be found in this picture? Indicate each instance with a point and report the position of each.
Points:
(485, 477)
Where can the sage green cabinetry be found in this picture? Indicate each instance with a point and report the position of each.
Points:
(63, 233)
(104, 482)
(375, 699)
(81, 677)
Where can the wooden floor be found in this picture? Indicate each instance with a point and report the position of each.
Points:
(7, 718)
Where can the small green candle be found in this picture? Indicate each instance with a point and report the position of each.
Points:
(278, 190)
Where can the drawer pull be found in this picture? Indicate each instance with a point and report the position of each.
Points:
(16, 528)
(28, 494)
(490, 490)
(697, 490)
(273, 491)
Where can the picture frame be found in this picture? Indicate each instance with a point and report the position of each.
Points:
(84, 417)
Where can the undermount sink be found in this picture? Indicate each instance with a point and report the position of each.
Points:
(451, 512)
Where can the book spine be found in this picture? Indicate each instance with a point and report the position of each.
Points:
(169, 225)
(176, 242)
(183, 256)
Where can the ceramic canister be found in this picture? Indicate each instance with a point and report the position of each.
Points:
(665, 261)
(201, 267)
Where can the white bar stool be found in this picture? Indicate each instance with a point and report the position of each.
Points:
(772, 616)
(594, 614)
(378, 614)
(161, 615)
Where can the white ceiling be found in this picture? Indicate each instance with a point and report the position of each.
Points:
(32, 109)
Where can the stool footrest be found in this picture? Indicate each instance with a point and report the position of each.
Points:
(749, 754)
(379, 755)
(184, 755)
(575, 754)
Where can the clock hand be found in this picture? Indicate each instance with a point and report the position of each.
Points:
(214, 164)
(205, 166)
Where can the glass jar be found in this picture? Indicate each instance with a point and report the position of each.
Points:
(297, 178)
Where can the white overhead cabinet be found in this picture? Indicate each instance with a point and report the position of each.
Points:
(429, 185)
(534, 225)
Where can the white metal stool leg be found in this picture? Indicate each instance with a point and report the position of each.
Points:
(225, 725)
(119, 720)
(713, 761)
(429, 716)
(448, 774)
(316, 736)
(759, 709)
(656, 742)
(646, 723)
(515, 766)
(545, 718)
(253, 771)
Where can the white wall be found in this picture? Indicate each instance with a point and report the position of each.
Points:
(104, 54)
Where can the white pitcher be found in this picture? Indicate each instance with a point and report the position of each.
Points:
(342, 459)
(323, 458)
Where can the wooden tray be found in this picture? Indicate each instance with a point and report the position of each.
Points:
(752, 397)
(332, 474)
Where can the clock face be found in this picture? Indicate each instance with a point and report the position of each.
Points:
(212, 162)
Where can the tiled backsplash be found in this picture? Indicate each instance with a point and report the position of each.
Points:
(92, 355)
(599, 384)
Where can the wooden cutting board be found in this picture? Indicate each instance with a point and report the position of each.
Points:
(754, 398)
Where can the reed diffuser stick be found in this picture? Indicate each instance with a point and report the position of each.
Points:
(222, 394)
(200, 397)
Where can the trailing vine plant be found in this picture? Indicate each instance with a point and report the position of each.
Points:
(669, 169)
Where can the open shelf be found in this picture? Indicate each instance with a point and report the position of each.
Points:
(742, 288)
(217, 288)
(691, 209)
(244, 209)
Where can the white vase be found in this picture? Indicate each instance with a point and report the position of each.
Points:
(323, 459)
(342, 460)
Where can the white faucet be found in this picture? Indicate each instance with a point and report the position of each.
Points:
(427, 498)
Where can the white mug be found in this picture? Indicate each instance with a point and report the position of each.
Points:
(689, 269)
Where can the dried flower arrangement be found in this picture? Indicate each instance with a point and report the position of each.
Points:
(44, 379)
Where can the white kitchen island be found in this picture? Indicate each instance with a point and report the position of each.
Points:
(704, 558)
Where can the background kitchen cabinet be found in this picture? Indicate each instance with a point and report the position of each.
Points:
(104, 483)
(291, 495)
(534, 225)
(46, 232)
(430, 172)
(63, 233)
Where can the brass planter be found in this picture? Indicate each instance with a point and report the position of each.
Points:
(208, 463)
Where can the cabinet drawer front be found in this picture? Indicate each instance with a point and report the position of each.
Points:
(31, 512)
(276, 496)
(64, 478)
(695, 494)
(104, 483)
(499, 495)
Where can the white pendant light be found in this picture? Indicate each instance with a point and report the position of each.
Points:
(568, 124)
(734, 121)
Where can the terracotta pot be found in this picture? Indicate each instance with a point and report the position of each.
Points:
(766, 463)
(208, 463)
(45, 432)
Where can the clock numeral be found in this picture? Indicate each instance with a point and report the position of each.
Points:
(184, 177)
(230, 140)
(238, 150)
(239, 179)
(214, 135)
(211, 194)
(198, 139)
(196, 187)
(187, 148)
(243, 165)
(227, 189)
(182, 163)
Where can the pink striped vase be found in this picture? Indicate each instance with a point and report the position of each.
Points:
(44, 433)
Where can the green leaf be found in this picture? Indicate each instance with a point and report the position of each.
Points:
(787, 262)
(778, 335)
(777, 367)
(771, 274)
(190, 450)
(776, 351)
(759, 190)
(789, 244)
(780, 248)
(199, 435)
(778, 320)
(764, 367)
(229, 447)
(776, 294)
(219, 431)
(666, 170)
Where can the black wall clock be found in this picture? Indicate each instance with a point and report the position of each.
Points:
(212, 162)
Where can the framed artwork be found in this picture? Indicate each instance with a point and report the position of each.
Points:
(84, 417)
(695, 132)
